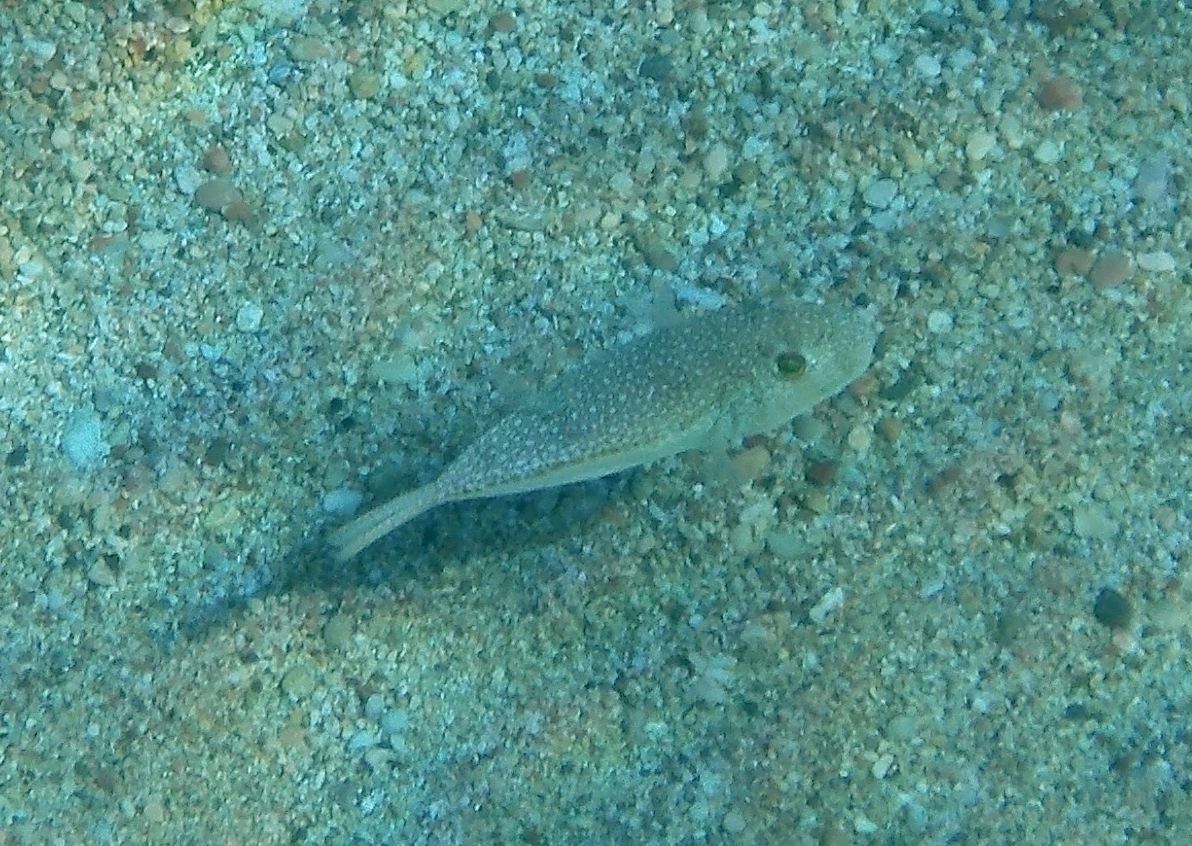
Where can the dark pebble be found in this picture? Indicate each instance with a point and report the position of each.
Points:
(656, 67)
(1112, 609)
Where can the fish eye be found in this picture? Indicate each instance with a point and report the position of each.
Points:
(791, 364)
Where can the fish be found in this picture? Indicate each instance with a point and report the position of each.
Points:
(705, 381)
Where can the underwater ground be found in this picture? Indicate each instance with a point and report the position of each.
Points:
(265, 263)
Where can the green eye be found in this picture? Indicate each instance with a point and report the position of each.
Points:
(791, 365)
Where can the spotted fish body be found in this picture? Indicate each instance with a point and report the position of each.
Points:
(701, 382)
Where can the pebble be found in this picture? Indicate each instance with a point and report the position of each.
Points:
(1111, 269)
(83, 441)
(364, 84)
(860, 438)
(1157, 262)
(100, 574)
(830, 601)
(1060, 94)
(880, 193)
(657, 67)
(928, 66)
(656, 253)
(1091, 521)
(337, 634)
(1153, 181)
(939, 322)
(979, 145)
(248, 317)
(1048, 152)
(342, 502)
(298, 681)
(216, 194)
(716, 162)
(890, 428)
(308, 49)
(61, 138)
(734, 822)
(1112, 609)
(217, 161)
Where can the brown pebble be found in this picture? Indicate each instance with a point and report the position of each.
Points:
(1073, 261)
(1060, 94)
(863, 385)
(822, 473)
(217, 161)
(655, 252)
(502, 22)
(1111, 269)
(520, 178)
(239, 211)
(889, 428)
(216, 194)
(943, 480)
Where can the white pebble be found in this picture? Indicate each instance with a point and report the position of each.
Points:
(1157, 262)
(716, 162)
(928, 66)
(1048, 152)
(979, 145)
(83, 441)
(880, 193)
(831, 600)
(1091, 521)
(342, 502)
(248, 318)
(939, 322)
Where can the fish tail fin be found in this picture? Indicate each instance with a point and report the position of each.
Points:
(371, 526)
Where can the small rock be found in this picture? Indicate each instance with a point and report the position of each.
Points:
(656, 253)
(248, 317)
(1153, 181)
(83, 441)
(298, 682)
(364, 84)
(880, 193)
(928, 66)
(1091, 521)
(979, 145)
(1112, 609)
(337, 634)
(1048, 152)
(939, 322)
(656, 66)
(716, 162)
(1156, 262)
(308, 49)
(342, 502)
(1060, 94)
(100, 573)
(829, 602)
(216, 194)
(1111, 269)
(216, 160)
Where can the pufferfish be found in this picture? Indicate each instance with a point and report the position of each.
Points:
(702, 382)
